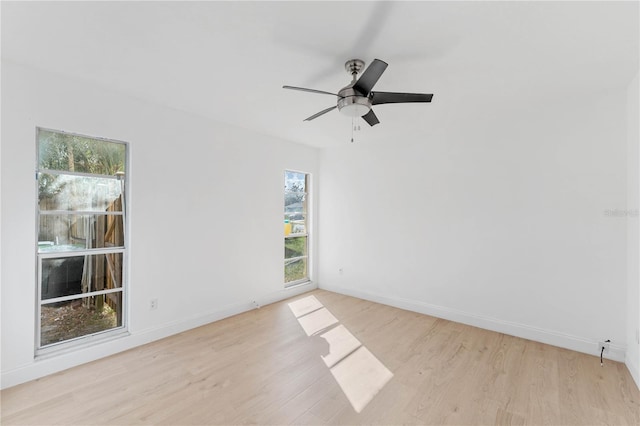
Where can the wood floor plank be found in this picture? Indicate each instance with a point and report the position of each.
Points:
(260, 367)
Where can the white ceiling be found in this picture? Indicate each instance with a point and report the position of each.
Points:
(228, 60)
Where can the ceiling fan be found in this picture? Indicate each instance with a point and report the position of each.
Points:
(357, 98)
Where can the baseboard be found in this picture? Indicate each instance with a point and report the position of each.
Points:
(633, 370)
(550, 337)
(53, 363)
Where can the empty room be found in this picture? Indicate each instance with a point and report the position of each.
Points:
(319, 213)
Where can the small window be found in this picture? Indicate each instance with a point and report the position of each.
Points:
(81, 251)
(296, 229)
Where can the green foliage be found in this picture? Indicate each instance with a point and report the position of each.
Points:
(295, 247)
(295, 271)
(62, 151)
(66, 152)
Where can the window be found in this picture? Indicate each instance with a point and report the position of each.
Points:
(296, 230)
(81, 238)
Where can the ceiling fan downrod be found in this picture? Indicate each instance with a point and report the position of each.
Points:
(353, 67)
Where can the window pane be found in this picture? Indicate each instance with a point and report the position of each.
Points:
(66, 192)
(65, 276)
(295, 216)
(295, 182)
(295, 247)
(295, 203)
(298, 227)
(79, 232)
(295, 270)
(74, 153)
(76, 318)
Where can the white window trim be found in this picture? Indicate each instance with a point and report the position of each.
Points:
(308, 219)
(101, 336)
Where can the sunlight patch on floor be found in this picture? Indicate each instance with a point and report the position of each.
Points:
(305, 306)
(361, 376)
(317, 321)
(358, 372)
(341, 343)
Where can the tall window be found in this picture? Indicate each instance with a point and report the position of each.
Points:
(81, 237)
(296, 230)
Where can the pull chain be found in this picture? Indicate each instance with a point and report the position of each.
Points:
(354, 127)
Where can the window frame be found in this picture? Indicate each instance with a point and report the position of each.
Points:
(307, 234)
(123, 289)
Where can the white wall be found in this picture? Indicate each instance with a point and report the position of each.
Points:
(205, 213)
(632, 358)
(498, 222)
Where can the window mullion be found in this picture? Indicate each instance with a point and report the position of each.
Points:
(85, 252)
(80, 213)
(79, 296)
(79, 174)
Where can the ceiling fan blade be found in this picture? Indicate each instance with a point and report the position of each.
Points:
(324, 111)
(398, 98)
(304, 89)
(370, 76)
(371, 118)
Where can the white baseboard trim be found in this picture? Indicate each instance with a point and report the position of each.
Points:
(55, 362)
(550, 337)
(633, 370)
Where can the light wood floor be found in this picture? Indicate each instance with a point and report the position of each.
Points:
(261, 368)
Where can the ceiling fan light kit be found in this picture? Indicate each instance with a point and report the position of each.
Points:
(352, 104)
(357, 98)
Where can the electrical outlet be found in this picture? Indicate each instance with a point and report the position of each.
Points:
(153, 304)
(605, 345)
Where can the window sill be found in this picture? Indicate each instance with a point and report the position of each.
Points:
(295, 235)
(79, 344)
(297, 283)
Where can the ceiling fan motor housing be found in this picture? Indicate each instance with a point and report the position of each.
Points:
(352, 103)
